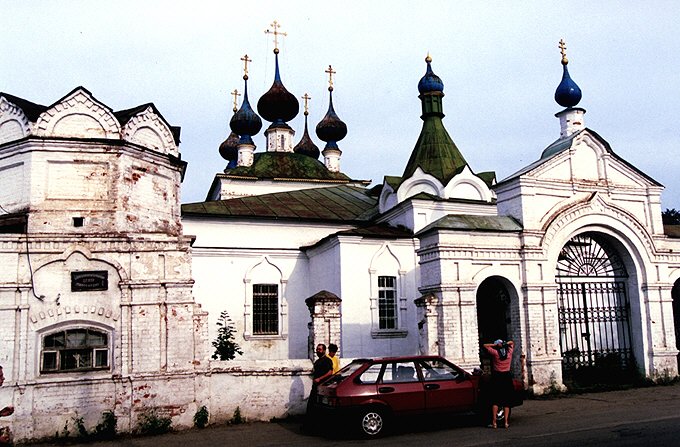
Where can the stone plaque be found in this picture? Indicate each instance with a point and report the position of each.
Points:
(89, 281)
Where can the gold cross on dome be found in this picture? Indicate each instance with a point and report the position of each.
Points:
(306, 97)
(245, 60)
(276, 34)
(330, 72)
(235, 94)
(563, 51)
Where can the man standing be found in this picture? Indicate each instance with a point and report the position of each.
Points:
(323, 368)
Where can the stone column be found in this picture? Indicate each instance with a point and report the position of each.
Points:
(428, 324)
(324, 308)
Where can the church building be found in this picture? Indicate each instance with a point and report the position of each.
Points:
(111, 291)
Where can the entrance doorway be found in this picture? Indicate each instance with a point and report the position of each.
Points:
(594, 312)
(493, 315)
(675, 293)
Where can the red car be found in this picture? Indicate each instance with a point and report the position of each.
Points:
(369, 393)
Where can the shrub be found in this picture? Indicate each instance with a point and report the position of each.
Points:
(201, 417)
(237, 418)
(150, 423)
(225, 346)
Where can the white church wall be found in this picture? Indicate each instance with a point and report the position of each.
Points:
(360, 333)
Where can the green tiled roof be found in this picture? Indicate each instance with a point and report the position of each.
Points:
(435, 153)
(286, 165)
(468, 222)
(338, 203)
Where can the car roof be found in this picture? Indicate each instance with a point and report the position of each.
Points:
(400, 358)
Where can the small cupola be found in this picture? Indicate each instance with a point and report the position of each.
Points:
(229, 147)
(245, 123)
(306, 146)
(331, 129)
(568, 94)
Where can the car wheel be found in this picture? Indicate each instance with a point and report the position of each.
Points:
(372, 422)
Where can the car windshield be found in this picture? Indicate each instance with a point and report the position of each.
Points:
(343, 373)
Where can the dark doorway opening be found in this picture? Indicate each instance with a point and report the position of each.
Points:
(493, 315)
(675, 293)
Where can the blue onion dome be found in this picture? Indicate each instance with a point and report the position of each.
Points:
(245, 122)
(306, 146)
(430, 82)
(278, 105)
(568, 94)
(331, 129)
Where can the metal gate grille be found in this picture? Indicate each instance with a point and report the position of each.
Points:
(593, 308)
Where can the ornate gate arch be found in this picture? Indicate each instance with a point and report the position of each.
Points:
(594, 310)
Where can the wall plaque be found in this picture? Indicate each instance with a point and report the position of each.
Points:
(89, 281)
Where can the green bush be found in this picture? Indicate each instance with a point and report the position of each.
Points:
(237, 418)
(225, 346)
(150, 423)
(201, 417)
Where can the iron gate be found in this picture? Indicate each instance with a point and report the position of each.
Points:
(594, 309)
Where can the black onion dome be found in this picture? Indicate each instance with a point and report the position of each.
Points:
(229, 147)
(278, 104)
(245, 122)
(306, 146)
(331, 129)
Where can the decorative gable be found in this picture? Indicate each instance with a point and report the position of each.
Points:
(149, 130)
(78, 115)
(13, 121)
(590, 160)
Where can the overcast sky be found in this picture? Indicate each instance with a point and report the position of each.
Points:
(498, 60)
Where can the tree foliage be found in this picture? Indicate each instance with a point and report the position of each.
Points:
(671, 217)
(225, 346)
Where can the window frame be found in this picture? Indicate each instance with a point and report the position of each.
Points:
(91, 349)
(270, 316)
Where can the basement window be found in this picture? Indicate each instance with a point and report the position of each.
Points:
(77, 349)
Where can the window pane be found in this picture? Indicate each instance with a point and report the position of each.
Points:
(400, 372)
(54, 340)
(371, 374)
(387, 302)
(76, 338)
(76, 359)
(438, 370)
(96, 338)
(49, 361)
(265, 309)
(101, 358)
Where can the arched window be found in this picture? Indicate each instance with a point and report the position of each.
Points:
(77, 349)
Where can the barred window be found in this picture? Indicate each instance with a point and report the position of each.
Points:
(387, 302)
(265, 309)
(78, 349)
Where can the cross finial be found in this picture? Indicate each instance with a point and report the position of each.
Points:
(330, 72)
(306, 97)
(276, 34)
(235, 94)
(563, 50)
(245, 60)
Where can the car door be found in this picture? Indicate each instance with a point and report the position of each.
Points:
(401, 389)
(447, 387)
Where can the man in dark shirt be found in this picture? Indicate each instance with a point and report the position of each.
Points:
(323, 368)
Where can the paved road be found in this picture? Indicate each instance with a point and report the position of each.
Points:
(618, 418)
